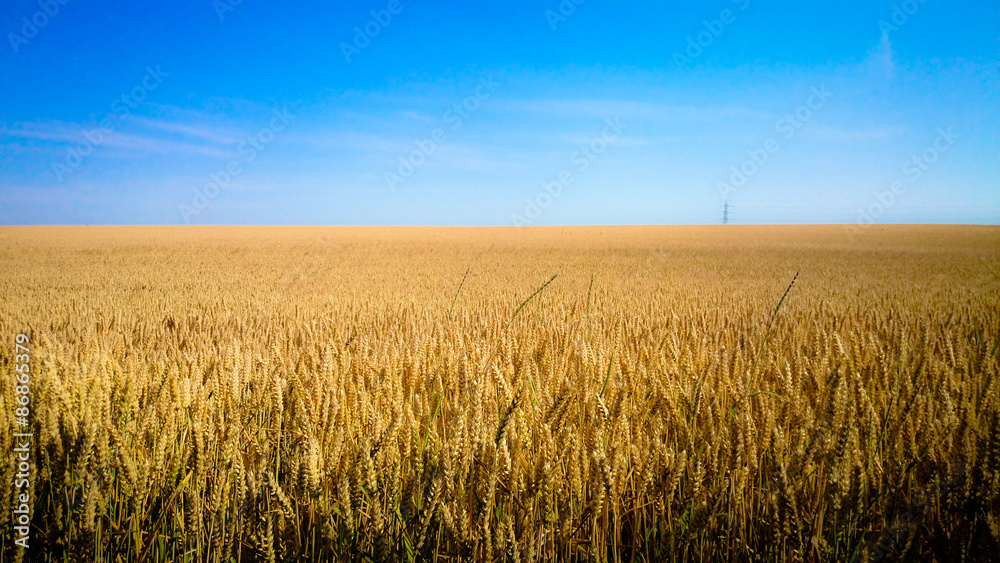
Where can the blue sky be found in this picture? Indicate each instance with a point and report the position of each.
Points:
(411, 112)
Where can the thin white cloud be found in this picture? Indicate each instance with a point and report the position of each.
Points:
(128, 143)
(881, 58)
(55, 131)
(848, 134)
(346, 140)
(417, 116)
(205, 133)
(643, 110)
(476, 159)
(62, 133)
(577, 140)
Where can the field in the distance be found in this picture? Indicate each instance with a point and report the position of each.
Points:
(279, 393)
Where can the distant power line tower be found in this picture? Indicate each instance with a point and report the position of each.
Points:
(725, 213)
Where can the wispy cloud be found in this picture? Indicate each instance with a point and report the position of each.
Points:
(881, 58)
(848, 134)
(205, 133)
(346, 140)
(601, 108)
(479, 159)
(572, 140)
(127, 143)
(187, 134)
(417, 116)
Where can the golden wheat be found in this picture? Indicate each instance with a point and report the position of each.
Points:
(265, 394)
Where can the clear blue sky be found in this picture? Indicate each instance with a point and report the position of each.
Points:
(412, 112)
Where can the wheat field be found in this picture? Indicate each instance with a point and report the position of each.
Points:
(536, 394)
